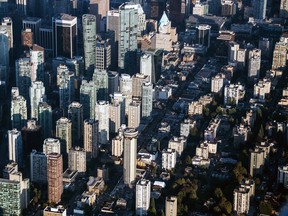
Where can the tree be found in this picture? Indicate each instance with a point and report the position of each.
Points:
(218, 193)
(225, 205)
(218, 110)
(265, 208)
(188, 160)
(261, 134)
(152, 210)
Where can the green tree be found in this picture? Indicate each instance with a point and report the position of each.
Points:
(152, 210)
(265, 208)
(218, 193)
(225, 205)
(218, 110)
(188, 160)
(261, 134)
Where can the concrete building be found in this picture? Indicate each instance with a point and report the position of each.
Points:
(228, 8)
(33, 23)
(37, 95)
(51, 145)
(55, 177)
(283, 9)
(137, 81)
(265, 44)
(15, 146)
(282, 176)
(186, 127)
(240, 134)
(257, 160)
(77, 160)
(117, 146)
(261, 89)
(64, 44)
(18, 112)
(24, 76)
(100, 78)
(203, 35)
(195, 108)
(130, 155)
(102, 116)
(64, 133)
(45, 119)
(171, 206)
(113, 23)
(279, 54)
(178, 144)
(217, 83)
(103, 54)
(241, 200)
(125, 86)
(114, 117)
(147, 66)
(32, 136)
(89, 40)
(143, 190)
(99, 8)
(169, 157)
(233, 93)
(52, 211)
(91, 139)
(37, 60)
(254, 63)
(88, 98)
(38, 167)
(134, 114)
(75, 114)
(200, 8)
(147, 99)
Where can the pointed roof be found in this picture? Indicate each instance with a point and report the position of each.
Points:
(164, 20)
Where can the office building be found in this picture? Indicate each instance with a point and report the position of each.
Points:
(169, 157)
(22, 7)
(15, 146)
(37, 95)
(66, 90)
(100, 78)
(233, 49)
(103, 54)
(88, 98)
(45, 119)
(33, 23)
(99, 8)
(10, 168)
(38, 167)
(102, 116)
(171, 206)
(117, 146)
(279, 54)
(113, 82)
(128, 19)
(64, 133)
(147, 99)
(254, 63)
(18, 112)
(137, 81)
(4, 42)
(203, 35)
(241, 200)
(113, 23)
(75, 114)
(283, 9)
(259, 9)
(114, 117)
(64, 36)
(143, 190)
(55, 177)
(130, 155)
(75, 65)
(282, 176)
(45, 38)
(24, 76)
(77, 160)
(52, 211)
(134, 114)
(89, 40)
(51, 145)
(91, 138)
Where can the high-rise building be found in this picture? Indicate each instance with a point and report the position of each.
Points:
(130, 155)
(228, 8)
(257, 160)
(171, 206)
(114, 117)
(134, 114)
(125, 86)
(37, 95)
(169, 157)
(99, 8)
(77, 160)
(259, 9)
(15, 146)
(45, 119)
(91, 138)
(254, 63)
(147, 66)
(4, 42)
(241, 200)
(203, 35)
(88, 98)
(283, 9)
(102, 115)
(280, 54)
(143, 190)
(157, 56)
(37, 60)
(128, 15)
(18, 112)
(22, 6)
(137, 81)
(100, 78)
(64, 133)
(51, 145)
(217, 83)
(265, 45)
(103, 54)
(33, 23)
(24, 76)
(45, 38)
(147, 99)
(38, 167)
(64, 35)
(7, 23)
(75, 114)
(233, 48)
(117, 146)
(55, 177)
(117, 97)
(89, 40)
(58, 211)
(233, 93)
(113, 82)
(282, 176)
(177, 10)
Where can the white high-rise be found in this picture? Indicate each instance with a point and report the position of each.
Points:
(77, 160)
(91, 138)
(64, 133)
(117, 146)
(254, 63)
(147, 99)
(37, 60)
(102, 115)
(282, 176)
(37, 95)
(217, 83)
(118, 97)
(15, 146)
(169, 157)
(114, 117)
(51, 145)
(125, 87)
(130, 155)
(147, 66)
(143, 190)
(134, 114)
(38, 167)
(241, 200)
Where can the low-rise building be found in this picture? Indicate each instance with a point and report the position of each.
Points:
(95, 185)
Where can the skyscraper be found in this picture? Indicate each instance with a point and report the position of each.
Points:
(4, 42)
(102, 115)
(75, 114)
(241, 200)
(37, 60)
(128, 14)
(34, 24)
(55, 178)
(64, 35)
(114, 117)
(147, 99)
(88, 98)
(77, 159)
(91, 138)
(280, 54)
(7, 23)
(45, 119)
(51, 145)
(137, 81)
(147, 66)
(134, 114)
(259, 9)
(89, 40)
(37, 95)
(143, 190)
(64, 133)
(15, 146)
(117, 97)
(18, 112)
(254, 63)
(113, 82)
(24, 76)
(203, 35)
(130, 155)
(171, 206)
(38, 167)
(125, 86)
(100, 78)
(103, 54)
